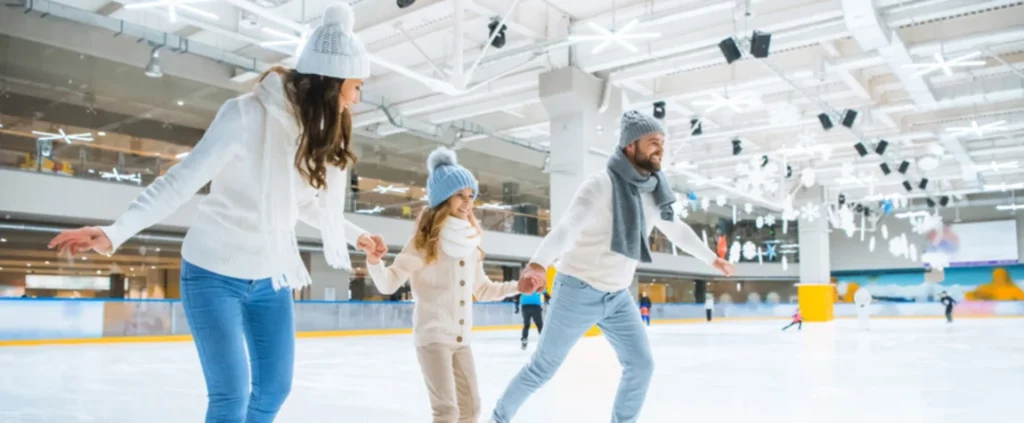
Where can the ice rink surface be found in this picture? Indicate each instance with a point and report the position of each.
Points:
(900, 371)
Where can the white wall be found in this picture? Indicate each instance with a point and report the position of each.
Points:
(64, 199)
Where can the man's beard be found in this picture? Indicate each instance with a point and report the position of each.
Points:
(646, 163)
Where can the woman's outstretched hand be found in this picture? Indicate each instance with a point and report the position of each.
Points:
(77, 241)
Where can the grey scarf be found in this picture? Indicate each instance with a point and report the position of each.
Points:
(629, 230)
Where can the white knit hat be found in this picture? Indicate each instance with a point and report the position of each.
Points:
(333, 49)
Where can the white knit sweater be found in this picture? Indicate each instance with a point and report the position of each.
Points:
(225, 237)
(443, 290)
(581, 242)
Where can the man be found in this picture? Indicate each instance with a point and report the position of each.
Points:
(709, 305)
(645, 308)
(598, 243)
(863, 300)
(530, 304)
(949, 302)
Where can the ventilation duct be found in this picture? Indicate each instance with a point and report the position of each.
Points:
(270, 4)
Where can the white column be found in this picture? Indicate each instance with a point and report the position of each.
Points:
(581, 136)
(813, 239)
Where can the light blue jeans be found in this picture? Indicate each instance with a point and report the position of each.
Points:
(229, 316)
(575, 307)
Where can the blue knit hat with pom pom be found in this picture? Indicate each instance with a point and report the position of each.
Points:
(447, 177)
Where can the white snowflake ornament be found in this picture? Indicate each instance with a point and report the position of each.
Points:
(871, 245)
(769, 220)
(748, 208)
(720, 200)
(785, 263)
(684, 212)
(885, 231)
(810, 211)
(749, 250)
(734, 252)
(759, 222)
(705, 203)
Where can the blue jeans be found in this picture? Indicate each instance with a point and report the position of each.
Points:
(575, 307)
(229, 316)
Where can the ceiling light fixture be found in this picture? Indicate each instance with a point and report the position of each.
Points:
(61, 135)
(995, 167)
(173, 6)
(121, 177)
(738, 104)
(1010, 207)
(946, 65)
(385, 189)
(1004, 187)
(180, 156)
(976, 129)
(374, 210)
(621, 36)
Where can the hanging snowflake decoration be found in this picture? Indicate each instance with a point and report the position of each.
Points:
(759, 222)
(720, 200)
(770, 250)
(913, 252)
(748, 208)
(810, 211)
(756, 178)
(807, 177)
(871, 245)
(734, 252)
(885, 231)
(705, 203)
(749, 250)
(769, 220)
(760, 256)
(785, 263)
(898, 246)
(683, 213)
(846, 221)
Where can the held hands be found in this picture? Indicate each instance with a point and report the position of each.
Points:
(374, 247)
(724, 266)
(81, 240)
(532, 278)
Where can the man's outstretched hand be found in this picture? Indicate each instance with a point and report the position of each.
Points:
(724, 266)
(532, 278)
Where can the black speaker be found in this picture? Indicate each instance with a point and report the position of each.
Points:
(944, 201)
(842, 199)
(659, 109)
(859, 208)
(759, 44)
(730, 50)
(695, 127)
(849, 117)
(789, 171)
(826, 122)
(881, 146)
(931, 203)
(861, 149)
(737, 147)
(906, 184)
(885, 168)
(904, 166)
(924, 183)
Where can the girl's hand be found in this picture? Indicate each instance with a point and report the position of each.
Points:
(76, 241)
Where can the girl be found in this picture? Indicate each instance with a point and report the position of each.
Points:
(645, 308)
(445, 263)
(274, 156)
(797, 320)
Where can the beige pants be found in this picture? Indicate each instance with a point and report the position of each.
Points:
(451, 382)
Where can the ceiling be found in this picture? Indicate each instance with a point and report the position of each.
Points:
(826, 56)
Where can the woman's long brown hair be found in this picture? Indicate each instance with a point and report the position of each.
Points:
(428, 230)
(326, 129)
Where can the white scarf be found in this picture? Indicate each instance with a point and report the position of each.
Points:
(459, 238)
(279, 207)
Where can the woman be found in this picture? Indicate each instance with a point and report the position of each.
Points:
(445, 264)
(274, 156)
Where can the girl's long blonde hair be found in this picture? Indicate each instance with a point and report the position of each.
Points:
(428, 230)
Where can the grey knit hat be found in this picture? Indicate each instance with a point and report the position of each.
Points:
(333, 48)
(635, 125)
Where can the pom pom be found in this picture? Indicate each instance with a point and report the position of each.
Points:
(340, 14)
(439, 157)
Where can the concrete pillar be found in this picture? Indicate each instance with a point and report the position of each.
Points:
(815, 293)
(581, 135)
(329, 284)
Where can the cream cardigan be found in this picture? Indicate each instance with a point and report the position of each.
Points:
(443, 291)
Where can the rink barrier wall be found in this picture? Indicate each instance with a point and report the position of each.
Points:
(63, 321)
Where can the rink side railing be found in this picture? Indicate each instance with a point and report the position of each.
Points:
(35, 321)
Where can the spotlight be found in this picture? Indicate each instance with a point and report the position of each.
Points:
(849, 117)
(863, 151)
(498, 41)
(659, 110)
(881, 146)
(153, 67)
(904, 166)
(759, 43)
(859, 208)
(737, 146)
(789, 171)
(842, 199)
(924, 183)
(931, 203)
(695, 127)
(730, 50)
(944, 201)
(885, 168)
(826, 122)
(402, 4)
(907, 186)
(764, 161)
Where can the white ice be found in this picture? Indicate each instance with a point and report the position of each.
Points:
(900, 371)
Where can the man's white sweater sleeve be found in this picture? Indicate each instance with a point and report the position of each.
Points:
(594, 192)
(683, 236)
(168, 192)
